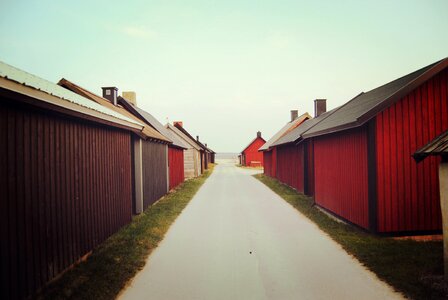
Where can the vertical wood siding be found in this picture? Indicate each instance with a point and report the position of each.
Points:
(274, 163)
(190, 170)
(290, 166)
(408, 192)
(267, 163)
(251, 153)
(66, 187)
(155, 176)
(341, 175)
(308, 148)
(176, 166)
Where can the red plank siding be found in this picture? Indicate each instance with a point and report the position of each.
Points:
(274, 163)
(308, 148)
(176, 166)
(55, 195)
(251, 153)
(408, 198)
(267, 163)
(341, 178)
(290, 166)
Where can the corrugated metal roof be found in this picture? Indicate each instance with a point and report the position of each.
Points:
(366, 105)
(438, 146)
(184, 137)
(35, 82)
(295, 134)
(285, 129)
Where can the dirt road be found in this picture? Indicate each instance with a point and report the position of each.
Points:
(238, 240)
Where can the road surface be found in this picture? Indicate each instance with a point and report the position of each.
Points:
(239, 240)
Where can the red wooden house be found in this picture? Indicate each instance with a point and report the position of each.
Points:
(270, 153)
(363, 166)
(250, 156)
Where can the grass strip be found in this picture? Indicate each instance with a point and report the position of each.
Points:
(414, 268)
(105, 273)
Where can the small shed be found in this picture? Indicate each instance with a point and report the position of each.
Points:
(250, 156)
(270, 153)
(363, 166)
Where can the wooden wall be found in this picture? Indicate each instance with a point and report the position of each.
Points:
(267, 163)
(341, 174)
(290, 166)
(176, 166)
(251, 153)
(65, 187)
(155, 171)
(408, 192)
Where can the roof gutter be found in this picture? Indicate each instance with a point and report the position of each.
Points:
(63, 105)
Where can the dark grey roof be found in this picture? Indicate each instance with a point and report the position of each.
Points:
(438, 146)
(183, 137)
(151, 120)
(365, 106)
(295, 134)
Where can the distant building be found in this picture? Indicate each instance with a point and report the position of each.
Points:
(250, 156)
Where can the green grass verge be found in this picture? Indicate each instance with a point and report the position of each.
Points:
(104, 274)
(411, 267)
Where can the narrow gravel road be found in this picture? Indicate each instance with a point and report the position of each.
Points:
(238, 240)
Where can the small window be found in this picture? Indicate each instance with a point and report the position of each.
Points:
(107, 92)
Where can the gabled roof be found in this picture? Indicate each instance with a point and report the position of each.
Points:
(184, 137)
(295, 135)
(181, 128)
(49, 93)
(365, 106)
(256, 138)
(438, 146)
(285, 129)
(151, 120)
(147, 131)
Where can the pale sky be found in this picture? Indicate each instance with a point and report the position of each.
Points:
(225, 68)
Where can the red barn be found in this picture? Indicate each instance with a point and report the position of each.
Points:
(250, 157)
(270, 153)
(363, 166)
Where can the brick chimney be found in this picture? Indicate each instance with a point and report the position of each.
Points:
(178, 123)
(320, 106)
(259, 134)
(294, 114)
(131, 97)
(110, 93)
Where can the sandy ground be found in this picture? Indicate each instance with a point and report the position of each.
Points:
(238, 240)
